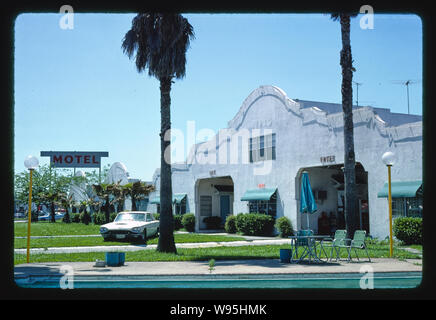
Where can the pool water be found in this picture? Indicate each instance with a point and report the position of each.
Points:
(383, 280)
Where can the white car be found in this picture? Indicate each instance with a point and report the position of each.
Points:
(138, 225)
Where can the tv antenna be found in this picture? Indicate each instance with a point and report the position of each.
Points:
(357, 91)
(406, 83)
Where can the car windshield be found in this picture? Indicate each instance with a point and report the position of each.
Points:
(130, 217)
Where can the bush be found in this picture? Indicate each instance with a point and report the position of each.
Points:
(255, 224)
(178, 221)
(408, 230)
(85, 217)
(156, 216)
(66, 218)
(230, 224)
(284, 226)
(75, 217)
(112, 216)
(188, 222)
(99, 218)
(212, 222)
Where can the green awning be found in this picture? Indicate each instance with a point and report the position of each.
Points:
(401, 189)
(177, 198)
(258, 194)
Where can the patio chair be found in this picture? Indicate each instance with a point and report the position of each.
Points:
(358, 242)
(303, 242)
(339, 242)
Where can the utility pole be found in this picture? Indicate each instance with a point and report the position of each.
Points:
(357, 91)
(406, 83)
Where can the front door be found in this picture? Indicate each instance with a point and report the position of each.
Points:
(224, 207)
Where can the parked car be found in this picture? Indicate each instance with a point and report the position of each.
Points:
(46, 216)
(19, 215)
(136, 225)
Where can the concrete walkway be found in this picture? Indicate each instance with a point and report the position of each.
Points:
(225, 267)
(258, 241)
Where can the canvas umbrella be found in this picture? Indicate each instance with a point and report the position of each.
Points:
(307, 200)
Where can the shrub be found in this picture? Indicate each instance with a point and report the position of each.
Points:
(156, 216)
(230, 225)
(284, 226)
(188, 222)
(178, 222)
(255, 224)
(75, 217)
(212, 222)
(66, 218)
(408, 230)
(85, 217)
(112, 216)
(99, 218)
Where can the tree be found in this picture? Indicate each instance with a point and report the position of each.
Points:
(159, 42)
(138, 192)
(104, 191)
(47, 187)
(346, 61)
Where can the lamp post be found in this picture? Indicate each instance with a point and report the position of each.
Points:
(30, 163)
(388, 159)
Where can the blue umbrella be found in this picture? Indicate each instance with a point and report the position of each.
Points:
(307, 200)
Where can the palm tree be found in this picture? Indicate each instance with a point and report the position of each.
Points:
(159, 42)
(351, 204)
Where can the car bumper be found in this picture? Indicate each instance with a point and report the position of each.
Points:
(121, 234)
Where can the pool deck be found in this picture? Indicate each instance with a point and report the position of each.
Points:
(222, 267)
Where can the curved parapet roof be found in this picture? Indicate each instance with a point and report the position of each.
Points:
(396, 125)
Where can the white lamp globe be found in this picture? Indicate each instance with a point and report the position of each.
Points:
(389, 158)
(31, 162)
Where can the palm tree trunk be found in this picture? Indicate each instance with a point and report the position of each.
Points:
(166, 221)
(351, 208)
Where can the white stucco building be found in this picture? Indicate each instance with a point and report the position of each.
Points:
(255, 164)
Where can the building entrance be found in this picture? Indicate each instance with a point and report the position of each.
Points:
(213, 197)
(327, 184)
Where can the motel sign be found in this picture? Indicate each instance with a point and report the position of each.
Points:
(75, 159)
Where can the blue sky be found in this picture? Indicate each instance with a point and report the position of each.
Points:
(75, 90)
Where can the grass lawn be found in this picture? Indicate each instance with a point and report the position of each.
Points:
(376, 249)
(204, 254)
(98, 241)
(55, 229)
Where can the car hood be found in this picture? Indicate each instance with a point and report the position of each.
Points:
(124, 225)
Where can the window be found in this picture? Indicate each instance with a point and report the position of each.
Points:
(205, 206)
(262, 148)
(264, 206)
(407, 207)
(180, 208)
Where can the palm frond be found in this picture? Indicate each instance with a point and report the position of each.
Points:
(160, 42)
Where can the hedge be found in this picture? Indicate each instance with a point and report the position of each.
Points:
(230, 225)
(188, 222)
(284, 226)
(408, 230)
(255, 224)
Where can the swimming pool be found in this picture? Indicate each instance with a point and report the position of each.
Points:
(381, 280)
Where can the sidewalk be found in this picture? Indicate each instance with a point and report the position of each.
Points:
(222, 267)
(131, 247)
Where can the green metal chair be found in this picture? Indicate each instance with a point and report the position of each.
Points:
(303, 242)
(358, 242)
(339, 241)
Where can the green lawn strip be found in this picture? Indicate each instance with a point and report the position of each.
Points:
(55, 229)
(203, 254)
(98, 241)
